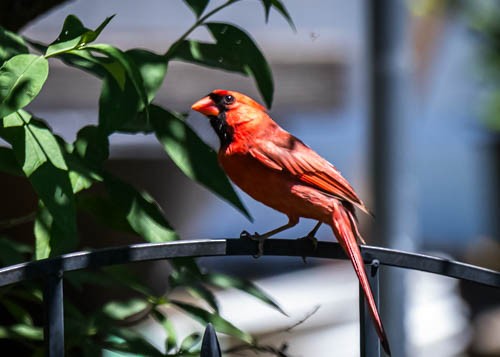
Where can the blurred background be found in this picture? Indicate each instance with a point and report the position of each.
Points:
(441, 94)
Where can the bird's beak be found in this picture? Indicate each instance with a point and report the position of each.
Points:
(206, 106)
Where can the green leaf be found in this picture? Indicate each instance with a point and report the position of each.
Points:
(141, 211)
(191, 342)
(238, 41)
(11, 45)
(8, 162)
(133, 73)
(121, 310)
(201, 292)
(42, 160)
(105, 211)
(219, 323)
(21, 79)
(12, 252)
(210, 55)
(92, 145)
(164, 321)
(74, 36)
(233, 51)
(197, 6)
(53, 238)
(17, 311)
(227, 281)
(132, 342)
(21, 331)
(195, 158)
(278, 5)
(119, 107)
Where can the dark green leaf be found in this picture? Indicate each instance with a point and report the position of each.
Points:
(226, 281)
(21, 79)
(74, 35)
(105, 211)
(17, 311)
(195, 158)
(11, 45)
(92, 145)
(220, 324)
(210, 55)
(8, 162)
(238, 41)
(121, 310)
(141, 211)
(198, 6)
(233, 51)
(119, 107)
(131, 69)
(12, 252)
(278, 5)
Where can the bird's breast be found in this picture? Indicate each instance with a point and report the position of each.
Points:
(274, 188)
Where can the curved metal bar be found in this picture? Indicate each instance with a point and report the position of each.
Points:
(231, 247)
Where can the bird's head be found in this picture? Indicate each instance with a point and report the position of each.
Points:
(228, 110)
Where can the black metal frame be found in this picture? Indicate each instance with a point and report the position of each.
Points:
(52, 271)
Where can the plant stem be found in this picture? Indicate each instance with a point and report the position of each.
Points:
(171, 51)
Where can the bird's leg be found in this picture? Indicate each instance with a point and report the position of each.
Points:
(311, 237)
(262, 237)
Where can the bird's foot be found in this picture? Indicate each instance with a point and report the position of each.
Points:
(255, 237)
(309, 238)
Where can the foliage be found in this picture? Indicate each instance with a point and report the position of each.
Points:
(61, 173)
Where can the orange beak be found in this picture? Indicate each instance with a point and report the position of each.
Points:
(206, 106)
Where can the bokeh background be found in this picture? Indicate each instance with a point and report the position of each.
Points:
(443, 74)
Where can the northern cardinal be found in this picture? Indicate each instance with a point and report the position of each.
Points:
(279, 170)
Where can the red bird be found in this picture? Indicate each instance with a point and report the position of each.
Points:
(279, 170)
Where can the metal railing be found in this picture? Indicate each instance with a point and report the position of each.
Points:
(52, 272)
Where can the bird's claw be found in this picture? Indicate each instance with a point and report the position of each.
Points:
(255, 237)
(313, 240)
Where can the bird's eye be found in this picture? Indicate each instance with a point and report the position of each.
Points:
(228, 99)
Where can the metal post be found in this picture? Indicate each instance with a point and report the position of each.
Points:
(54, 315)
(210, 344)
(393, 186)
(369, 341)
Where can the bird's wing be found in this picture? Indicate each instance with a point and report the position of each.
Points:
(285, 152)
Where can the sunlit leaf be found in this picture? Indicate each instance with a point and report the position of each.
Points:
(21, 79)
(121, 310)
(74, 35)
(220, 324)
(38, 152)
(195, 158)
(11, 45)
(198, 6)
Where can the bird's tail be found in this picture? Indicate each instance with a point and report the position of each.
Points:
(346, 231)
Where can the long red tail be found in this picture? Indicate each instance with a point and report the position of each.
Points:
(345, 230)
